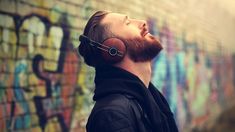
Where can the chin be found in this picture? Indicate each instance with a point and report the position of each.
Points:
(149, 38)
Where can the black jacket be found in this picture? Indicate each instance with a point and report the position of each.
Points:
(124, 104)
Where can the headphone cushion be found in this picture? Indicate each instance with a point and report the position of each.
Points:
(114, 43)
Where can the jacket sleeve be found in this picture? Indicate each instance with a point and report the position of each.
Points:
(111, 121)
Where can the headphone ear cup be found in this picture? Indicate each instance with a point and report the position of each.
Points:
(116, 50)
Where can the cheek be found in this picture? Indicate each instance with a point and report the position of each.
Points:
(126, 31)
(117, 29)
(136, 32)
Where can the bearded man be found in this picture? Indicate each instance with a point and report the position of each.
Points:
(121, 50)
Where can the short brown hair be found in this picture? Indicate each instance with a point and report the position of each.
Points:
(97, 32)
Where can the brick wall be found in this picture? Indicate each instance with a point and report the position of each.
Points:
(44, 86)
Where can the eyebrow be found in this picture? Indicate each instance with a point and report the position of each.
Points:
(125, 18)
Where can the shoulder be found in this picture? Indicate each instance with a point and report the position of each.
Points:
(110, 121)
(111, 113)
(117, 102)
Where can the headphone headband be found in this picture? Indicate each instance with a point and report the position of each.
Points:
(112, 51)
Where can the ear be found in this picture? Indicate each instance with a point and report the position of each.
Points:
(116, 50)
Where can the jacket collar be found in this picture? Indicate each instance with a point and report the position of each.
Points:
(114, 80)
(111, 72)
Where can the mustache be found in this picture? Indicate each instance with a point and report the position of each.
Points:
(144, 31)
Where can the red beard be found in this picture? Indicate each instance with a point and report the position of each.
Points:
(143, 49)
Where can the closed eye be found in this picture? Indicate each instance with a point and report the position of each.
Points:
(127, 20)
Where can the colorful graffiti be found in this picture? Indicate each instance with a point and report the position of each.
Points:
(39, 73)
(44, 86)
(194, 82)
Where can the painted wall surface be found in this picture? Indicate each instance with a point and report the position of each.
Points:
(45, 85)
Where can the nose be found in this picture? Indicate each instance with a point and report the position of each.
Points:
(140, 23)
(143, 24)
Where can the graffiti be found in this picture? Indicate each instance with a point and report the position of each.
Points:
(44, 86)
(39, 73)
(192, 80)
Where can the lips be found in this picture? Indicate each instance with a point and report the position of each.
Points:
(144, 32)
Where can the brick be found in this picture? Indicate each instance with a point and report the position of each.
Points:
(48, 3)
(22, 52)
(73, 9)
(32, 107)
(38, 3)
(34, 80)
(3, 98)
(36, 129)
(77, 2)
(8, 6)
(55, 15)
(40, 11)
(40, 91)
(76, 22)
(24, 9)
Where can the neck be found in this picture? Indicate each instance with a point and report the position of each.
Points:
(140, 69)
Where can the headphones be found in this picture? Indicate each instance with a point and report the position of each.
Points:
(113, 49)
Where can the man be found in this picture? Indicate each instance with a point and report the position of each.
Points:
(126, 100)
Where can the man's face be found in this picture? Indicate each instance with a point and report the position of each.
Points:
(141, 45)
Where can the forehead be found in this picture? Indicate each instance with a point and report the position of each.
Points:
(112, 18)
